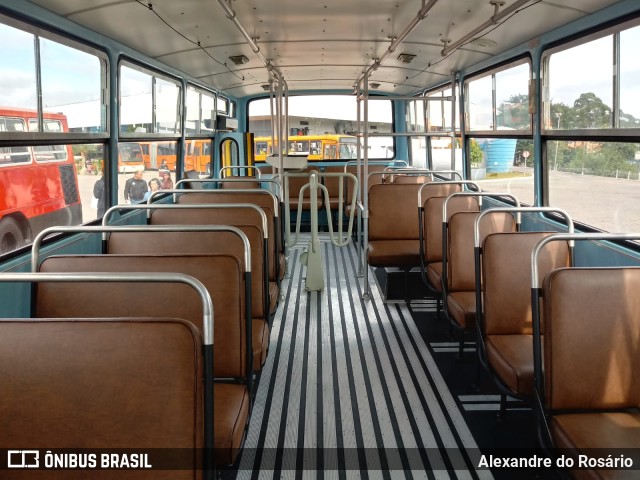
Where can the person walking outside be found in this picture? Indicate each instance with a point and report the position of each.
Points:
(135, 188)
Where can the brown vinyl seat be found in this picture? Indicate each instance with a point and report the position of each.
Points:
(409, 178)
(460, 300)
(264, 200)
(250, 222)
(246, 182)
(295, 185)
(507, 316)
(433, 197)
(221, 274)
(332, 184)
(393, 226)
(591, 319)
(74, 384)
(376, 179)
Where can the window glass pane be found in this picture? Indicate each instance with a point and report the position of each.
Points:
(415, 123)
(200, 106)
(167, 103)
(208, 113)
(136, 102)
(512, 98)
(441, 154)
(503, 165)
(17, 68)
(479, 100)
(629, 78)
(324, 120)
(415, 116)
(596, 183)
(74, 91)
(223, 105)
(90, 162)
(142, 166)
(581, 86)
(198, 157)
(439, 112)
(45, 186)
(192, 124)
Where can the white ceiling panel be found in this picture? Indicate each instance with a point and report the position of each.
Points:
(317, 45)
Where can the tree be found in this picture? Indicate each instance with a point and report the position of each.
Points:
(591, 112)
(514, 113)
(475, 153)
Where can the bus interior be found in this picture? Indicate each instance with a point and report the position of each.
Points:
(378, 239)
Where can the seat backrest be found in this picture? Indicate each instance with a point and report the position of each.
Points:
(263, 200)
(100, 384)
(221, 274)
(332, 184)
(432, 215)
(506, 278)
(372, 180)
(460, 245)
(296, 184)
(410, 179)
(239, 185)
(192, 175)
(248, 220)
(393, 212)
(592, 338)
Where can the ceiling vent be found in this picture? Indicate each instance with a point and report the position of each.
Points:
(266, 87)
(239, 59)
(374, 86)
(406, 57)
(484, 43)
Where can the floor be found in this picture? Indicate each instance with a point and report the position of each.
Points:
(351, 390)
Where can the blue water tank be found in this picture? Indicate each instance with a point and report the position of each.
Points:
(500, 153)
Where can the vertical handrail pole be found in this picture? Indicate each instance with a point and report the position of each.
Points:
(366, 295)
(361, 260)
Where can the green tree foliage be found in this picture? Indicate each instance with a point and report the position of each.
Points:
(475, 153)
(514, 114)
(596, 158)
(587, 112)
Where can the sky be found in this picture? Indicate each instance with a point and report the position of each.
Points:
(76, 90)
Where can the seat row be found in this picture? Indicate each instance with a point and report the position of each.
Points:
(569, 339)
(233, 249)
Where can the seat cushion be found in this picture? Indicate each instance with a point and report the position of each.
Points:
(511, 358)
(601, 431)
(461, 307)
(274, 292)
(283, 266)
(434, 275)
(231, 412)
(394, 253)
(260, 340)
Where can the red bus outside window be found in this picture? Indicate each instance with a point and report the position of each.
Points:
(38, 185)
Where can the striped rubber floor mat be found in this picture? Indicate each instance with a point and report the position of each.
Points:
(350, 390)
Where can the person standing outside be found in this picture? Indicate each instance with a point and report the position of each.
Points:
(100, 197)
(135, 188)
(166, 183)
(154, 186)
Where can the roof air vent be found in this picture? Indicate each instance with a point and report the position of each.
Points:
(238, 59)
(406, 57)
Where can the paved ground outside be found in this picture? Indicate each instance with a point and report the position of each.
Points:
(607, 203)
